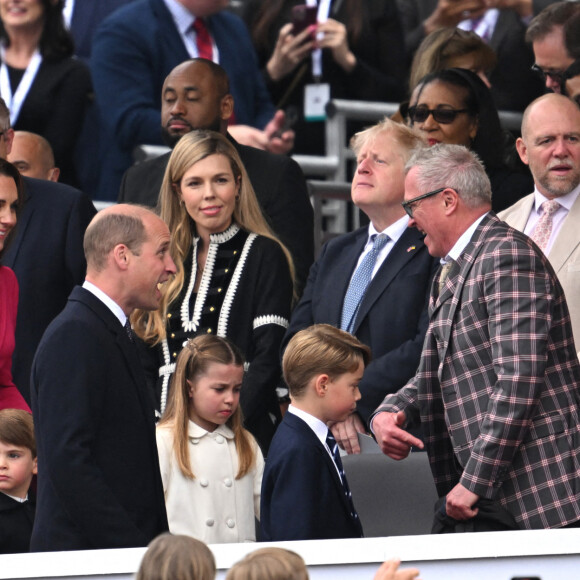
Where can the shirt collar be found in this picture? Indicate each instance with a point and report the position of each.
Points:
(566, 201)
(109, 302)
(463, 240)
(394, 231)
(182, 17)
(319, 428)
(196, 432)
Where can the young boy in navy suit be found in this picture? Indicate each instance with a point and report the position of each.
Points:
(305, 495)
(17, 467)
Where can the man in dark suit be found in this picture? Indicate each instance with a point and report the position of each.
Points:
(497, 387)
(555, 37)
(392, 315)
(136, 48)
(99, 484)
(196, 95)
(513, 84)
(46, 255)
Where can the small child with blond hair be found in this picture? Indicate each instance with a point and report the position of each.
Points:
(305, 495)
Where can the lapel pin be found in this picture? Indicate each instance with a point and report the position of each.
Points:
(410, 248)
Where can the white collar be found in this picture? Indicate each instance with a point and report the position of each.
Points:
(319, 428)
(182, 17)
(194, 431)
(394, 231)
(107, 300)
(566, 201)
(463, 240)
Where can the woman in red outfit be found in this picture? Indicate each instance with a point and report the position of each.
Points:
(11, 197)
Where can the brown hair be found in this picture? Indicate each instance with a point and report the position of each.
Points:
(109, 230)
(441, 46)
(192, 363)
(176, 557)
(407, 138)
(321, 349)
(556, 14)
(17, 428)
(269, 564)
(192, 148)
(10, 171)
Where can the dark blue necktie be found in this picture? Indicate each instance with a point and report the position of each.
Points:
(333, 446)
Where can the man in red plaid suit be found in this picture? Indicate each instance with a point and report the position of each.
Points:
(497, 388)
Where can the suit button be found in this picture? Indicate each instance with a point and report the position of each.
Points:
(230, 523)
(209, 522)
(203, 482)
(228, 482)
(219, 439)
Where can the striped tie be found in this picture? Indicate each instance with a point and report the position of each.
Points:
(333, 446)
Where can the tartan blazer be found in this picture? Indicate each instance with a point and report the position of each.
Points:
(497, 385)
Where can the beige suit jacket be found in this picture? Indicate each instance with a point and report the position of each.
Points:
(564, 255)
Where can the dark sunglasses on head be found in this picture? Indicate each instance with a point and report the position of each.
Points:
(442, 114)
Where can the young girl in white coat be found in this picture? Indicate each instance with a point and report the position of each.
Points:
(210, 465)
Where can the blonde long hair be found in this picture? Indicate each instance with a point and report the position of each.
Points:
(192, 363)
(192, 148)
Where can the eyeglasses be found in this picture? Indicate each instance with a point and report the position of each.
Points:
(407, 205)
(442, 114)
(556, 75)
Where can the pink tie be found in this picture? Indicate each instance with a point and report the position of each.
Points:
(543, 230)
(202, 39)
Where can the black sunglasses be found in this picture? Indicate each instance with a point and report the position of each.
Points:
(407, 204)
(442, 114)
(557, 75)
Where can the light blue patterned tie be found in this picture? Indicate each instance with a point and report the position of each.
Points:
(359, 283)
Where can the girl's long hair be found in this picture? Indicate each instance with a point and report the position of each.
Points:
(192, 363)
(192, 148)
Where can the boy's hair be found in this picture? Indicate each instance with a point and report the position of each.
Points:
(269, 564)
(321, 349)
(192, 363)
(171, 557)
(17, 428)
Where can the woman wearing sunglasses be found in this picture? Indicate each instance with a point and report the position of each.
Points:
(455, 106)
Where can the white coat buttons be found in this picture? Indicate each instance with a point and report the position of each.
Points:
(230, 523)
(203, 482)
(219, 439)
(209, 522)
(228, 482)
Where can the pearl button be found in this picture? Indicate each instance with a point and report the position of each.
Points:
(203, 482)
(230, 523)
(195, 441)
(209, 522)
(228, 482)
(219, 439)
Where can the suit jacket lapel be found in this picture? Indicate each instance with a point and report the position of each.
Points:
(346, 263)
(300, 425)
(24, 218)
(502, 27)
(567, 240)
(455, 282)
(168, 32)
(403, 251)
(128, 350)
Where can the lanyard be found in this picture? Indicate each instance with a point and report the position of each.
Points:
(323, 12)
(15, 101)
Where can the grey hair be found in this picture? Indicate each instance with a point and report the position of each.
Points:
(452, 166)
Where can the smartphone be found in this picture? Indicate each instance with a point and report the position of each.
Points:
(303, 16)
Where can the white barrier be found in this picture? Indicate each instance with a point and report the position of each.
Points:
(548, 554)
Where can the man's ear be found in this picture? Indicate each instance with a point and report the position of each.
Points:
(8, 139)
(226, 107)
(522, 150)
(121, 254)
(450, 199)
